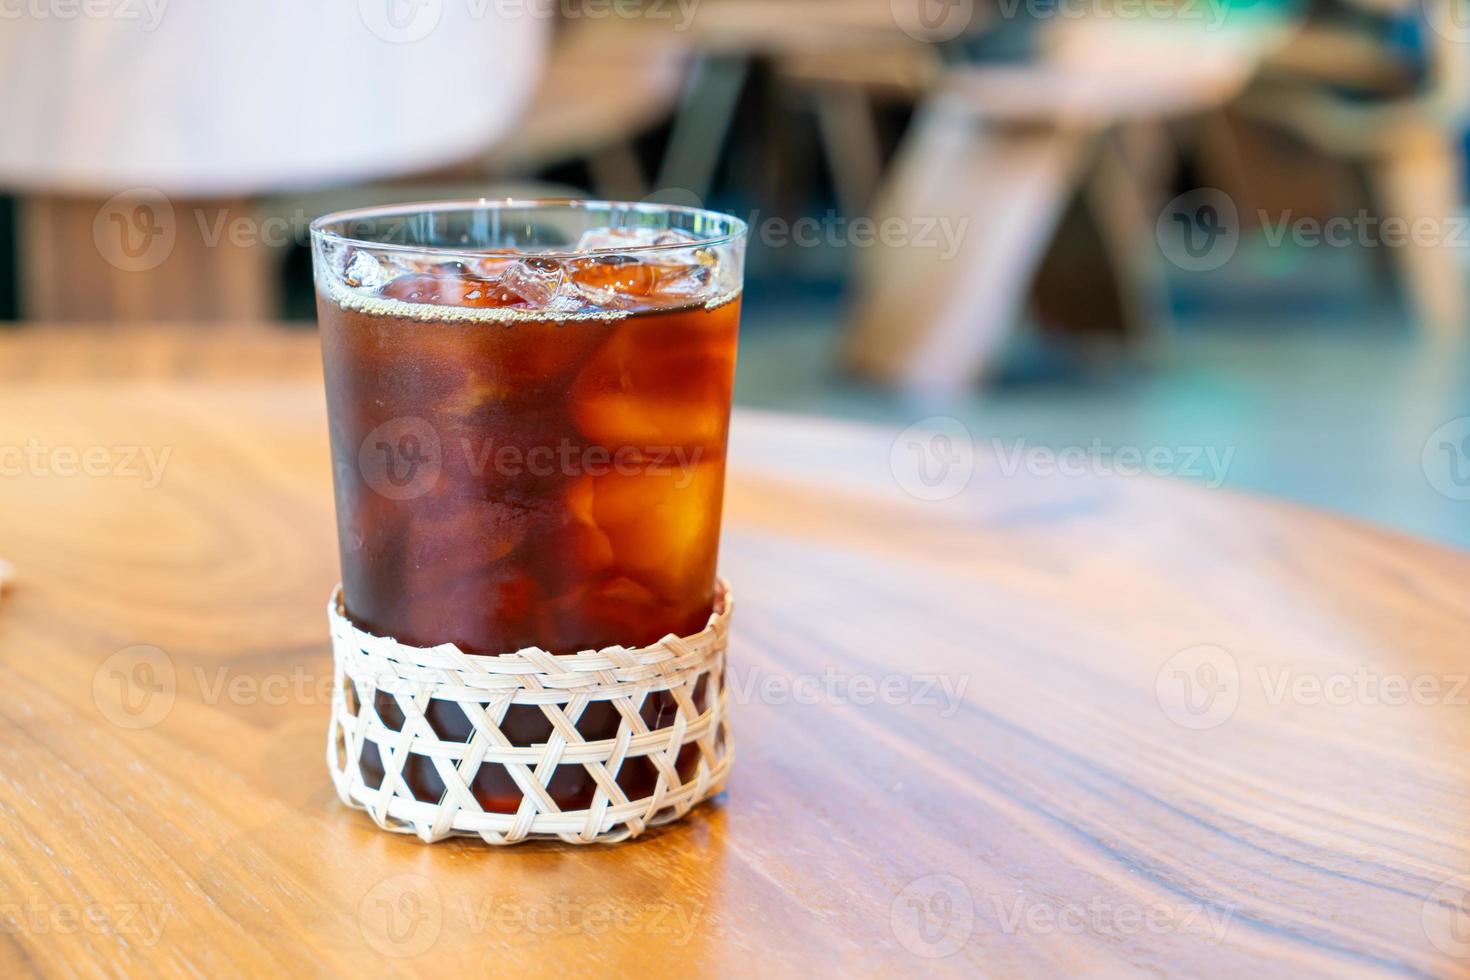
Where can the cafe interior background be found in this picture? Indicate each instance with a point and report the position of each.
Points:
(1214, 240)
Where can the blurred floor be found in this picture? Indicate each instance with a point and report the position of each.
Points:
(1299, 363)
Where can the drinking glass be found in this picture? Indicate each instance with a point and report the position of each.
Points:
(529, 404)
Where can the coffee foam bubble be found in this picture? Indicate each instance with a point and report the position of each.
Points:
(349, 299)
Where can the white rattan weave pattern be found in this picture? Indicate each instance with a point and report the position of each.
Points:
(562, 686)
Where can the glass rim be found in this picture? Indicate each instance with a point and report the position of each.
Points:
(320, 229)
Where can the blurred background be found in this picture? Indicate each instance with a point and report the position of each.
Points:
(1221, 241)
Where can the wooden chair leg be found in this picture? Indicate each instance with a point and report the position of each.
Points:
(929, 318)
(702, 125)
(1421, 181)
(851, 143)
(617, 175)
(1125, 194)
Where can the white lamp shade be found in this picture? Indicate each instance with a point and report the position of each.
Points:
(225, 97)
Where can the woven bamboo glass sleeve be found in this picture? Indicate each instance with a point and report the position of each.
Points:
(686, 669)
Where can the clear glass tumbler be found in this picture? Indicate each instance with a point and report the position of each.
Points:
(529, 405)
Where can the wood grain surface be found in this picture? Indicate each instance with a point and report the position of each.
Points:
(1050, 726)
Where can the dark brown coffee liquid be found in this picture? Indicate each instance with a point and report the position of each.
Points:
(504, 481)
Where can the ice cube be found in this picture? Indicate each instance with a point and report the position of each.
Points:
(604, 239)
(690, 280)
(670, 254)
(449, 290)
(364, 271)
(491, 266)
(660, 381)
(537, 281)
(612, 281)
(661, 523)
(412, 289)
(662, 243)
(445, 270)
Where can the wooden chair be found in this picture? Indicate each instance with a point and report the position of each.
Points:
(1006, 149)
(1409, 149)
(606, 83)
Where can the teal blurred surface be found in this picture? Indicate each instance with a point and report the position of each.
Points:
(1302, 372)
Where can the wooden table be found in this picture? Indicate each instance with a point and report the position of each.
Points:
(967, 742)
